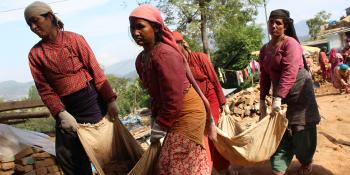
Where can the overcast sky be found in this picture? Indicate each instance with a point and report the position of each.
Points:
(104, 24)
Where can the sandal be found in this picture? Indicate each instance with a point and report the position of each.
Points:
(305, 169)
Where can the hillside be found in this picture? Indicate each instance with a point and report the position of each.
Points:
(124, 68)
(12, 90)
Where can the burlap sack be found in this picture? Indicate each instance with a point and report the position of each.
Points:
(110, 146)
(256, 144)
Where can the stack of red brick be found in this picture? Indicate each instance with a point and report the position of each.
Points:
(30, 162)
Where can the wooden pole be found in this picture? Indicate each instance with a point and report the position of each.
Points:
(23, 115)
(13, 105)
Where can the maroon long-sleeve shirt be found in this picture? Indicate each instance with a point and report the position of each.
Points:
(63, 67)
(204, 73)
(163, 74)
(280, 67)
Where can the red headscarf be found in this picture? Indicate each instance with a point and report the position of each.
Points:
(333, 53)
(177, 35)
(151, 13)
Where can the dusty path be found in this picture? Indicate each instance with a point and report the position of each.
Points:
(332, 155)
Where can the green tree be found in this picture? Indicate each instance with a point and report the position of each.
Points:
(33, 93)
(197, 19)
(314, 24)
(130, 94)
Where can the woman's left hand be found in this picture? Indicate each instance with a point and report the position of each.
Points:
(212, 133)
(113, 110)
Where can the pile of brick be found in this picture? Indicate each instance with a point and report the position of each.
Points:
(30, 161)
(246, 103)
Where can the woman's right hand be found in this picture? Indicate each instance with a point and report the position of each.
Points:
(68, 122)
(212, 132)
(262, 109)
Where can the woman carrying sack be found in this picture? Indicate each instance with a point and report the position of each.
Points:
(70, 83)
(177, 102)
(282, 64)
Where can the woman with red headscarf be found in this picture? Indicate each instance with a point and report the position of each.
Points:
(178, 105)
(204, 73)
(335, 59)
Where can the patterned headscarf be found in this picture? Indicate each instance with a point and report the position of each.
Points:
(38, 8)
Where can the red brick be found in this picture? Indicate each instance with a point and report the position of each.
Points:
(8, 165)
(10, 172)
(41, 171)
(40, 156)
(23, 168)
(24, 153)
(53, 169)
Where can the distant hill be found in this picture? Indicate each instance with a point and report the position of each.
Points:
(12, 90)
(122, 69)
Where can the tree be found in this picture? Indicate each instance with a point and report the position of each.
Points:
(130, 94)
(197, 19)
(314, 24)
(33, 93)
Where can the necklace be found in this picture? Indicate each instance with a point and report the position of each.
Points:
(272, 47)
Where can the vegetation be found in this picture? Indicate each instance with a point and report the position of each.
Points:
(227, 25)
(130, 94)
(45, 125)
(314, 24)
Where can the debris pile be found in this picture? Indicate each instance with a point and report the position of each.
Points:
(246, 103)
(30, 161)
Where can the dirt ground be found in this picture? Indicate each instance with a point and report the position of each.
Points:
(333, 149)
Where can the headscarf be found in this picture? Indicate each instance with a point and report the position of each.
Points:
(152, 14)
(38, 8)
(343, 67)
(333, 53)
(284, 14)
(178, 36)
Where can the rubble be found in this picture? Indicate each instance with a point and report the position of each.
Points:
(30, 161)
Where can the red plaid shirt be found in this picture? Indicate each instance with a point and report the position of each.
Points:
(65, 66)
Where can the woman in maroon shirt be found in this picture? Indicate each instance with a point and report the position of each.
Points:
(177, 102)
(70, 82)
(204, 73)
(282, 65)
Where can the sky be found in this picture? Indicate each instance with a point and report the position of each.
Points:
(104, 24)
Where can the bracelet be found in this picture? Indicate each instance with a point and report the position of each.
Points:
(211, 120)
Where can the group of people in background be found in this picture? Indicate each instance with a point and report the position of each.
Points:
(187, 97)
(335, 68)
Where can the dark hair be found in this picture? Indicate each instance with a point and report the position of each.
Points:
(158, 34)
(59, 24)
(288, 22)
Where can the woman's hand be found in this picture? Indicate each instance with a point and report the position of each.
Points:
(212, 133)
(113, 110)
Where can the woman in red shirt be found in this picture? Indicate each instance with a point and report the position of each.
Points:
(70, 82)
(177, 102)
(204, 73)
(282, 65)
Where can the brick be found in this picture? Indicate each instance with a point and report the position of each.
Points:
(8, 159)
(26, 160)
(8, 165)
(10, 172)
(24, 153)
(31, 173)
(53, 169)
(55, 173)
(41, 171)
(40, 156)
(45, 163)
(24, 168)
